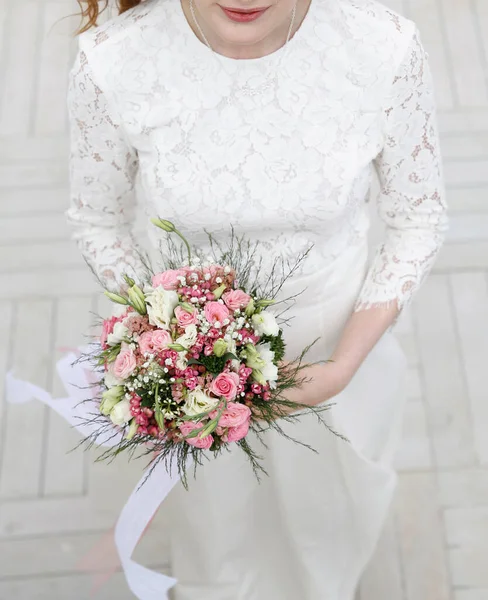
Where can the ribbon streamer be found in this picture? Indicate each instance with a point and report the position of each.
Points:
(146, 497)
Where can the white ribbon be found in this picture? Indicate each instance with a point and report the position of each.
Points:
(146, 497)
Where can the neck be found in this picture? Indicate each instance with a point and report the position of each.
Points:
(269, 44)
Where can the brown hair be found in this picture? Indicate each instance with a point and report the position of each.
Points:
(91, 10)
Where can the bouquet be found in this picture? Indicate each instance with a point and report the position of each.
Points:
(192, 360)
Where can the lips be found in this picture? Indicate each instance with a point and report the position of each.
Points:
(243, 15)
(244, 10)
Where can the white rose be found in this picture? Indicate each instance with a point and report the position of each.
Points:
(119, 332)
(265, 323)
(269, 370)
(198, 402)
(161, 304)
(120, 413)
(189, 337)
(110, 379)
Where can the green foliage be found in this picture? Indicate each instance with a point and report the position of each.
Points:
(213, 364)
(276, 344)
(109, 355)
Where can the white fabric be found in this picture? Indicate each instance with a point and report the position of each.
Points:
(289, 165)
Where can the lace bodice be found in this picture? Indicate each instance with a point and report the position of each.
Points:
(287, 160)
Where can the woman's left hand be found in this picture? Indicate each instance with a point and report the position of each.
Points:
(324, 381)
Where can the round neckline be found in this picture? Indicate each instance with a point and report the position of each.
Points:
(201, 47)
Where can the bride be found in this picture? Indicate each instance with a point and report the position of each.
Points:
(272, 116)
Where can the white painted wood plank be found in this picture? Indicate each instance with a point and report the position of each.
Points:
(49, 516)
(466, 487)
(34, 149)
(65, 470)
(30, 257)
(481, 16)
(51, 226)
(464, 146)
(55, 61)
(421, 538)
(24, 430)
(20, 68)
(469, 255)
(49, 282)
(468, 568)
(467, 173)
(427, 17)
(470, 295)
(463, 120)
(467, 199)
(59, 554)
(35, 174)
(449, 418)
(468, 227)
(7, 311)
(72, 587)
(473, 594)
(466, 57)
(466, 527)
(28, 202)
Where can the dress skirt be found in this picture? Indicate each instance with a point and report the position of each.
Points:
(308, 530)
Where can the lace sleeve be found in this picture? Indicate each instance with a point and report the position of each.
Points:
(103, 167)
(412, 199)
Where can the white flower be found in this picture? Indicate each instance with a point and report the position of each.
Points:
(181, 361)
(189, 337)
(121, 413)
(197, 402)
(161, 304)
(110, 379)
(119, 332)
(110, 398)
(265, 323)
(269, 370)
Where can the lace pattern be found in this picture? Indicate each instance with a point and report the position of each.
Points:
(103, 168)
(412, 199)
(290, 166)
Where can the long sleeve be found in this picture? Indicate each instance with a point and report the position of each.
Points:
(103, 168)
(412, 198)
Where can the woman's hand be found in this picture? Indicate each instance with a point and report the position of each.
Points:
(323, 382)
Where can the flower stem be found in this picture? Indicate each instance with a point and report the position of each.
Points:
(185, 241)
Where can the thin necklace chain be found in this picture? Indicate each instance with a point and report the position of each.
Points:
(268, 83)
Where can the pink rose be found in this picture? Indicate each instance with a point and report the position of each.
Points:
(235, 434)
(125, 363)
(154, 341)
(215, 311)
(225, 385)
(184, 317)
(161, 338)
(199, 442)
(167, 279)
(235, 415)
(236, 299)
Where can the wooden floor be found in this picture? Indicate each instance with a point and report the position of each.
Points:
(55, 506)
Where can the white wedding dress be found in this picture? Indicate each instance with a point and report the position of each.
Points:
(214, 141)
